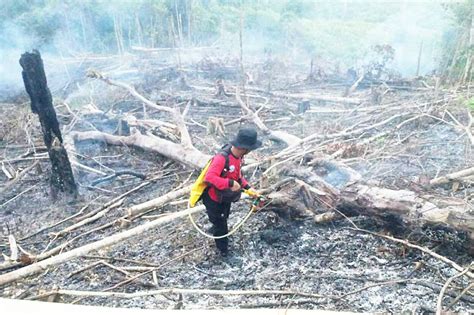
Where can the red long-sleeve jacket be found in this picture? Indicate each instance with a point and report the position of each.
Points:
(218, 183)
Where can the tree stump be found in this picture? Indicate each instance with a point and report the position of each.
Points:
(34, 78)
(220, 89)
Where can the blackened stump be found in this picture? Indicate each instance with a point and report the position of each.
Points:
(34, 78)
(41, 101)
(62, 178)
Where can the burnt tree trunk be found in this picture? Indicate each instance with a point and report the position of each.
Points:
(34, 78)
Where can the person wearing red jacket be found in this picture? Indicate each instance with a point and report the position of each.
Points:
(225, 182)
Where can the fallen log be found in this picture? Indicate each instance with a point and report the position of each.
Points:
(186, 291)
(157, 202)
(83, 250)
(412, 208)
(186, 155)
(319, 97)
(343, 134)
(402, 209)
(116, 174)
(276, 135)
(175, 113)
(452, 177)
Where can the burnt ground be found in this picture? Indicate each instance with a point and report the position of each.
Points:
(274, 250)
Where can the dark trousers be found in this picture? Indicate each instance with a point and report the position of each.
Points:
(218, 214)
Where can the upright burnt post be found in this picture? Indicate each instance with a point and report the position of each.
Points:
(62, 178)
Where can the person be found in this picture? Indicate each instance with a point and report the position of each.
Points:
(225, 183)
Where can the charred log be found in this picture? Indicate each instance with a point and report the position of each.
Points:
(34, 78)
(337, 194)
(36, 86)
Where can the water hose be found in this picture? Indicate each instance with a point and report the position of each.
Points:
(236, 227)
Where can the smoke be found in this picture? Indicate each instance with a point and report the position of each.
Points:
(13, 44)
(297, 30)
(414, 27)
(344, 32)
(14, 41)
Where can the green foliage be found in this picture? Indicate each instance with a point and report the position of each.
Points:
(318, 38)
(337, 29)
(456, 48)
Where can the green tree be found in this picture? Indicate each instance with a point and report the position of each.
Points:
(456, 65)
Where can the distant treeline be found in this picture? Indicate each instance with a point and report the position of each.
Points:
(341, 30)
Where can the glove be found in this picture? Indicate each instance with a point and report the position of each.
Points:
(252, 193)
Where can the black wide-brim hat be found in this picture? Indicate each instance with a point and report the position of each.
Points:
(247, 139)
